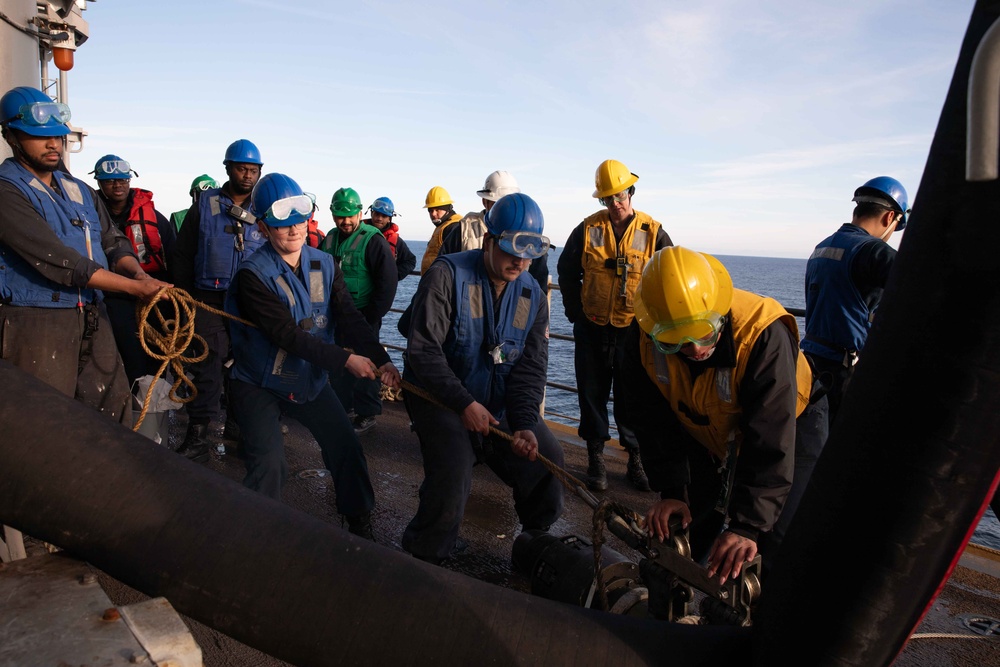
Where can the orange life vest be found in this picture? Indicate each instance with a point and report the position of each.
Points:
(142, 230)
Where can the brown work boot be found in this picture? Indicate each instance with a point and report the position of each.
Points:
(597, 473)
(634, 472)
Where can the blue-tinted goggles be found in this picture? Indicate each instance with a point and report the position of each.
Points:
(526, 245)
(40, 113)
(289, 208)
(703, 331)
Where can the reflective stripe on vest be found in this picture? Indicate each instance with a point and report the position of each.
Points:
(482, 351)
(217, 257)
(709, 407)
(836, 312)
(601, 294)
(261, 362)
(71, 213)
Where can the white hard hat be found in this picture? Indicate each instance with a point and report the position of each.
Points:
(498, 184)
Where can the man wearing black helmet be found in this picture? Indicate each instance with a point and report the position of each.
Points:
(845, 277)
(216, 236)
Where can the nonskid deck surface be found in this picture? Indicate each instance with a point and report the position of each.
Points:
(491, 525)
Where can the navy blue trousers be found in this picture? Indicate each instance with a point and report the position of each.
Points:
(208, 374)
(449, 453)
(599, 353)
(258, 411)
(359, 394)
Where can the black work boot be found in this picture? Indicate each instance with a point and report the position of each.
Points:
(231, 431)
(196, 445)
(597, 474)
(361, 525)
(634, 472)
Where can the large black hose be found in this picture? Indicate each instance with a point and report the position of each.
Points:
(278, 579)
(915, 451)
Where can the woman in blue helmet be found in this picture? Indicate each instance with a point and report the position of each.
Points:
(296, 298)
(478, 344)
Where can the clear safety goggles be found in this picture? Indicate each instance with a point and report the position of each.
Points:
(526, 245)
(115, 168)
(40, 113)
(204, 185)
(617, 197)
(285, 208)
(702, 330)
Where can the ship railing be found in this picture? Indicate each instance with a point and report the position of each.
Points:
(797, 312)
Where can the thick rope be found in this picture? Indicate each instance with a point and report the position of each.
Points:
(176, 333)
(170, 341)
(568, 480)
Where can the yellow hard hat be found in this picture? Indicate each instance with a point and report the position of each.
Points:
(611, 178)
(683, 296)
(437, 196)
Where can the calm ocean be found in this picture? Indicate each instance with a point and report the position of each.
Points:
(781, 279)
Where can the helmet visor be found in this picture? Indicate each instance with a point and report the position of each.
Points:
(702, 330)
(284, 209)
(119, 168)
(526, 245)
(40, 113)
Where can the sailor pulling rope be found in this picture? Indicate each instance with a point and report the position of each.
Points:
(175, 335)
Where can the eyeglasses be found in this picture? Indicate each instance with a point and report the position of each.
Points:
(114, 168)
(702, 330)
(526, 245)
(40, 113)
(285, 208)
(617, 197)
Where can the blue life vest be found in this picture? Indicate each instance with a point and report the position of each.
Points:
(480, 351)
(258, 360)
(837, 318)
(217, 259)
(72, 214)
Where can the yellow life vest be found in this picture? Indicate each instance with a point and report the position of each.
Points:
(715, 394)
(607, 264)
(437, 239)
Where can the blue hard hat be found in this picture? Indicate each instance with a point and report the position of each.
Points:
(278, 201)
(112, 167)
(384, 206)
(516, 222)
(242, 150)
(33, 112)
(887, 191)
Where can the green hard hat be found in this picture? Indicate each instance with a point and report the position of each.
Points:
(346, 202)
(202, 183)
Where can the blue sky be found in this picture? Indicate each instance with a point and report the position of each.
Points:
(749, 124)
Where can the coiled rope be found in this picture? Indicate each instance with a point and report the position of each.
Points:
(169, 342)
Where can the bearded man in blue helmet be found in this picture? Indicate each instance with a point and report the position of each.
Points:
(59, 251)
(478, 343)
